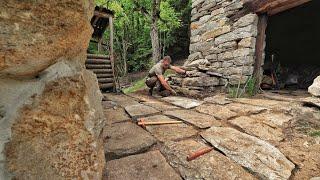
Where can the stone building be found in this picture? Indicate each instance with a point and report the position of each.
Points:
(233, 40)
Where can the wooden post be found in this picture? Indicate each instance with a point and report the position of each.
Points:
(111, 51)
(100, 45)
(257, 73)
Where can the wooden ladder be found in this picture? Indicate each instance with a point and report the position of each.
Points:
(103, 67)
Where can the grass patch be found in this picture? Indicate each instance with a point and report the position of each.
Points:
(137, 85)
(315, 133)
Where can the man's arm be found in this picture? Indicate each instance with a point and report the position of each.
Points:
(164, 83)
(178, 70)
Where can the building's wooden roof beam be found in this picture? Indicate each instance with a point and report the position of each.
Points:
(272, 7)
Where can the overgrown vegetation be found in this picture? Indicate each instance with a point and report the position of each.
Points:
(133, 50)
(246, 90)
(315, 133)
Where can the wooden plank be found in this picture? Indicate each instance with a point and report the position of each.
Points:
(105, 80)
(272, 6)
(102, 15)
(257, 73)
(106, 86)
(111, 50)
(106, 75)
(101, 71)
(287, 6)
(98, 61)
(97, 56)
(98, 66)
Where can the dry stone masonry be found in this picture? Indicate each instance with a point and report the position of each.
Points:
(50, 106)
(222, 47)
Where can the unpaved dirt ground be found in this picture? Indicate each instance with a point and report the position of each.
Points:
(270, 141)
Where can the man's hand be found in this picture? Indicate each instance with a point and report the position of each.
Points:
(173, 92)
(178, 70)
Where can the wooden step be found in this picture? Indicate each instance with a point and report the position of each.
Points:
(106, 85)
(98, 66)
(105, 75)
(97, 56)
(105, 80)
(98, 61)
(101, 71)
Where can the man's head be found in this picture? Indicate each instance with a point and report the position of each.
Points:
(166, 61)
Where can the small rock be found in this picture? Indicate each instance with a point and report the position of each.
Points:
(314, 89)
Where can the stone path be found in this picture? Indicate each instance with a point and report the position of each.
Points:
(253, 139)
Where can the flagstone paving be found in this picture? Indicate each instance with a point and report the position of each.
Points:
(150, 165)
(171, 131)
(183, 102)
(197, 119)
(139, 110)
(252, 138)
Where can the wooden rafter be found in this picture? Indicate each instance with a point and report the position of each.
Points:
(272, 7)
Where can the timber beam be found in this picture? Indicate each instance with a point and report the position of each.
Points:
(272, 7)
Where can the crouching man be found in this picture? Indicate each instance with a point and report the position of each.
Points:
(156, 81)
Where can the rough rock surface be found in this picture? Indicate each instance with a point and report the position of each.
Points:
(217, 99)
(212, 165)
(258, 156)
(279, 119)
(50, 106)
(219, 112)
(262, 129)
(38, 34)
(122, 139)
(194, 118)
(171, 131)
(244, 109)
(139, 110)
(151, 165)
(314, 89)
(183, 102)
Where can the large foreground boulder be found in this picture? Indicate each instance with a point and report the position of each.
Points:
(50, 106)
(314, 89)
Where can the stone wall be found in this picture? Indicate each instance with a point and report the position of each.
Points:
(222, 47)
(50, 106)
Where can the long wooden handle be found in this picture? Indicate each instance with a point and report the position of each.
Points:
(198, 153)
(159, 122)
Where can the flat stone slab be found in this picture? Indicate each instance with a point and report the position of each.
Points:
(139, 110)
(219, 112)
(183, 102)
(170, 131)
(197, 119)
(218, 99)
(257, 155)
(160, 106)
(314, 101)
(122, 139)
(141, 97)
(262, 129)
(276, 106)
(245, 109)
(150, 165)
(115, 115)
(120, 99)
(275, 118)
(212, 165)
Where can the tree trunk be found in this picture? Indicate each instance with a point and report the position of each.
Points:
(154, 30)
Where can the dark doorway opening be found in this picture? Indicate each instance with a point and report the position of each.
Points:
(292, 53)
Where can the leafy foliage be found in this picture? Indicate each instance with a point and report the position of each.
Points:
(132, 31)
